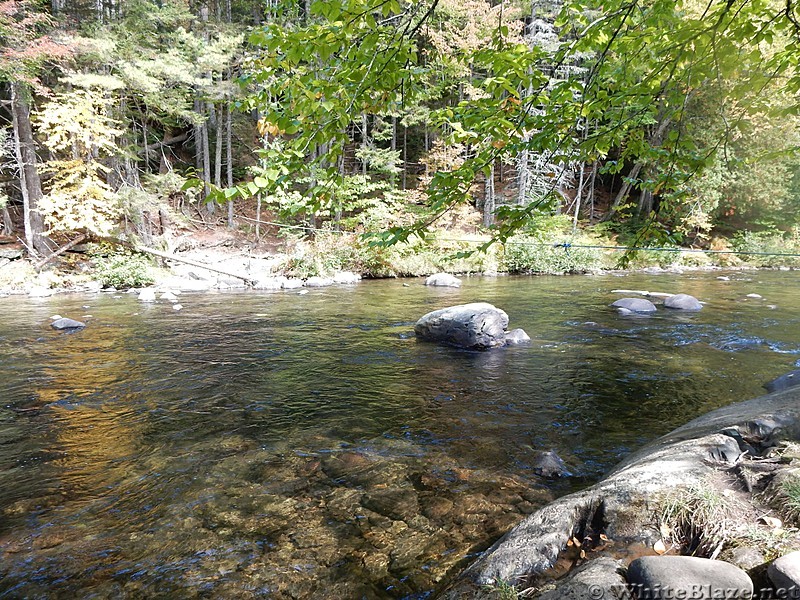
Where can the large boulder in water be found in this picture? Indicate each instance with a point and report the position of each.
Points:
(682, 302)
(637, 305)
(475, 325)
(683, 576)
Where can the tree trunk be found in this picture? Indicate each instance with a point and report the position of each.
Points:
(8, 225)
(218, 153)
(229, 155)
(30, 183)
(489, 199)
(624, 191)
(364, 142)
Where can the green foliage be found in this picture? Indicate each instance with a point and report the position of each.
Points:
(769, 248)
(123, 270)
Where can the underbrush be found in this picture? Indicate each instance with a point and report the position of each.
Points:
(123, 270)
(768, 248)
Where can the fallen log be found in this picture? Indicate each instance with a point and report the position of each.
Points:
(65, 248)
(194, 263)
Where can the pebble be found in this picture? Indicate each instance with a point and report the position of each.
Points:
(754, 296)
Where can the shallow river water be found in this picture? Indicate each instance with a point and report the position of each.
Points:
(276, 445)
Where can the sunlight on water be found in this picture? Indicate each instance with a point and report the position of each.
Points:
(277, 445)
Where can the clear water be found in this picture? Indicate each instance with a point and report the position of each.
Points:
(307, 446)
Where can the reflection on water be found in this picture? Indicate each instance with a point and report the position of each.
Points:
(278, 445)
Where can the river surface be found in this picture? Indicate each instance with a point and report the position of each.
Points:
(285, 445)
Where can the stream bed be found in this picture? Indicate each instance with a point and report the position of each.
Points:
(285, 445)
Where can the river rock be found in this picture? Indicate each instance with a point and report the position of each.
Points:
(637, 305)
(169, 297)
(786, 380)
(549, 464)
(66, 324)
(316, 282)
(147, 295)
(601, 578)
(746, 557)
(269, 283)
(754, 296)
(346, 278)
(443, 280)
(292, 283)
(11, 253)
(682, 302)
(687, 577)
(784, 573)
(516, 337)
(476, 325)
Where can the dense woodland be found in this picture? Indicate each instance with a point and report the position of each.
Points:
(665, 122)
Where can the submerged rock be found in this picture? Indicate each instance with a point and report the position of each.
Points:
(601, 578)
(637, 305)
(66, 324)
(683, 576)
(682, 302)
(443, 280)
(476, 325)
(549, 464)
(786, 380)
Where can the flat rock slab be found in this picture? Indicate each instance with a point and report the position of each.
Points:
(687, 577)
(682, 302)
(477, 325)
(66, 324)
(443, 280)
(515, 337)
(637, 305)
(784, 573)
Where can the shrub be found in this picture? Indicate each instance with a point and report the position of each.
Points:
(124, 270)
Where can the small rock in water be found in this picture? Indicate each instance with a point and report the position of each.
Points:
(177, 307)
(56, 317)
(302, 292)
(147, 295)
(169, 296)
(683, 302)
(723, 278)
(637, 305)
(754, 296)
(516, 337)
(443, 280)
(640, 292)
(67, 324)
(549, 464)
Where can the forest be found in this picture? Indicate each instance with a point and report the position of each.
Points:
(374, 130)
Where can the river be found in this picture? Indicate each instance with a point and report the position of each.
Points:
(285, 445)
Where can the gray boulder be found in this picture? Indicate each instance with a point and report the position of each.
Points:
(784, 573)
(476, 325)
(346, 278)
(687, 577)
(516, 337)
(67, 324)
(786, 380)
(683, 302)
(637, 305)
(601, 578)
(443, 280)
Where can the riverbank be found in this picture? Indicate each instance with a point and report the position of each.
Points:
(223, 259)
